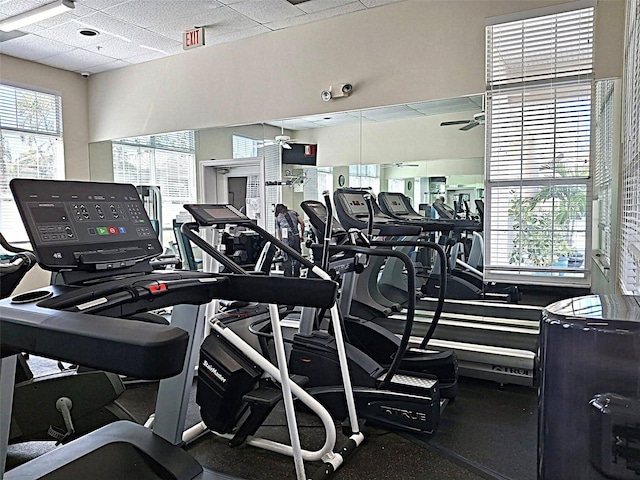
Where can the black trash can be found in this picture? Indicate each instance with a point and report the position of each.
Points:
(589, 388)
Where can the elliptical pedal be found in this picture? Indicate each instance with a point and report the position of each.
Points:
(427, 382)
(261, 402)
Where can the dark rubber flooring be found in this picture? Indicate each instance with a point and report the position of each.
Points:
(487, 432)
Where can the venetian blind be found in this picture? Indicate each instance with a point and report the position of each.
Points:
(630, 192)
(538, 124)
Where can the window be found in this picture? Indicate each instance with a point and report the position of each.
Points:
(603, 162)
(395, 185)
(166, 161)
(245, 147)
(30, 147)
(365, 176)
(630, 191)
(538, 172)
(316, 181)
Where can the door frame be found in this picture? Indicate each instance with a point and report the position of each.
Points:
(208, 180)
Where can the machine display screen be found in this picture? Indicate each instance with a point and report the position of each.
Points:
(396, 204)
(67, 220)
(355, 204)
(209, 214)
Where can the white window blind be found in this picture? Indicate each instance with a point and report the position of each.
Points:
(30, 147)
(166, 161)
(538, 173)
(245, 147)
(603, 163)
(272, 178)
(630, 192)
(317, 180)
(365, 176)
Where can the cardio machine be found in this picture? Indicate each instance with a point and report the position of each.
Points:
(44, 405)
(467, 282)
(402, 401)
(373, 339)
(107, 277)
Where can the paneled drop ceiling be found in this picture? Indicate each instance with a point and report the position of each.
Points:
(451, 106)
(136, 31)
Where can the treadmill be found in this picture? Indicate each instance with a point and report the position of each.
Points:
(99, 240)
(492, 341)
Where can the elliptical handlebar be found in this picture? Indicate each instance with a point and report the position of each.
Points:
(369, 200)
(326, 241)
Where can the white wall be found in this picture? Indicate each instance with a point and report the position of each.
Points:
(399, 53)
(73, 89)
(407, 140)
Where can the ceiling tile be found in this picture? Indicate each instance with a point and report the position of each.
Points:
(313, 17)
(107, 66)
(377, 3)
(265, 11)
(69, 33)
(76, 60)
(100, 4)
(148, 13)
(220, 21)
(16, 7)
(313, 6)
(32, 47)
(233, 35)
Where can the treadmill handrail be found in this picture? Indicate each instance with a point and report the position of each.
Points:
(140, 349)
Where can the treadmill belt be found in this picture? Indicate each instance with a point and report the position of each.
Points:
(110, 462)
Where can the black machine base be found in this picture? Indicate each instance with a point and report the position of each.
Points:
(410, 403)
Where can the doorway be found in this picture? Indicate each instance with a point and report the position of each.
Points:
(239, 182)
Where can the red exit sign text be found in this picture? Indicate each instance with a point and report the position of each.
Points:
(193, 38)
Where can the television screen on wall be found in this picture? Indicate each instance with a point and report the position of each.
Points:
(300, 154)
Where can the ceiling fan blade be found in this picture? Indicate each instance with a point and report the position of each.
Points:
(286, 146)
(469, 126)
(454, 122)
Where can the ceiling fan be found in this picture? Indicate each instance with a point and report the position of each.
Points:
(477, 119)
(400, 164)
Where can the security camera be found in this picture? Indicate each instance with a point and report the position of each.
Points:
(341, 90)
(326, 95)
(85, 74)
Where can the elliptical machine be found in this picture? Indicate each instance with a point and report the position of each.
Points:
(409, 402)
(368, 336)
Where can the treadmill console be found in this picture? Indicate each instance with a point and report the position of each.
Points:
(85, 225)
(211, 214)
(395, 204)
(355, 204)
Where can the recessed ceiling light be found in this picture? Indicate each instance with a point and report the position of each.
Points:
(88, 32)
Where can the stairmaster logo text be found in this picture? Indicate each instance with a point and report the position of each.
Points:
(214, 371)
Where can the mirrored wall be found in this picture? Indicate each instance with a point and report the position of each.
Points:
(425, 150)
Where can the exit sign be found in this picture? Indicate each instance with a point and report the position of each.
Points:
(193, 38)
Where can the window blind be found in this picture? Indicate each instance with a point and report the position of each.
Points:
(166, 161)
(245, 147)
(603, 163)
(31, 146)
(630, 191)
(538, 127)
(365, 176)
